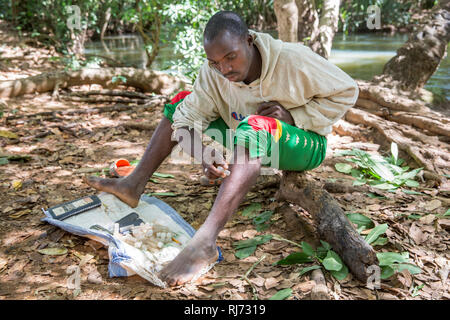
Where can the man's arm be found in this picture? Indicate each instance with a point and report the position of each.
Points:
(275, 110)
(191, 143)
(316, 92)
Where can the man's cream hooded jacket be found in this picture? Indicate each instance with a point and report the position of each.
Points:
(316, 92)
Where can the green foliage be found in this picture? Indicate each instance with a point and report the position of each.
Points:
(282, 294)
(354, 14)
(380, 172)
(360, 220)
(256, 13)
(262, 221)
(120, 79)
(187, 21)
(323, 255)
(178, 22)
(246, 248)
(391, 262)
(163, 175)
(294, 258)
(376, 232)
(252, 210)
(308, 269)
(48, 19)
(416, 290)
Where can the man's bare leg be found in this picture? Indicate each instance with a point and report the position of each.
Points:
(201, 250)
(130, 188)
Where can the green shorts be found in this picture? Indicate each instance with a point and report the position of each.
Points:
(277, 143)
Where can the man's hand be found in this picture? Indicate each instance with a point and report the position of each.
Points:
(275, 110)
(212, 160)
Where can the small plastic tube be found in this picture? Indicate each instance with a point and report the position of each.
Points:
(116, 229)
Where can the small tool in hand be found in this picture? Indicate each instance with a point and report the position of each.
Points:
(205, 181)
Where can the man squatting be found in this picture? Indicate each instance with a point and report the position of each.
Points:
(277, 97)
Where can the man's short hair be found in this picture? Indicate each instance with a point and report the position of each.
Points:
(225, 21)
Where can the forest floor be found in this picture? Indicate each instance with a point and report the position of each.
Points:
(54, 153)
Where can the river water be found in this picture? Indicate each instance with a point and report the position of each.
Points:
(360, 55)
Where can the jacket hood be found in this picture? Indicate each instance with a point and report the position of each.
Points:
(270, 50)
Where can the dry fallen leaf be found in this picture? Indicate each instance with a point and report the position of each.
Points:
(53, 251)
(16, 184)
(444, 223)
(259, 281)
(374, 207)
(416, 234)
(387, 296)
(304, 286)
(286, 283)
(85, 259)
(8, 134)
(224, 234)
(66, 160)
(237, 235)
(405, 278)
(95, 277)
(432, 205)
(19, 214)
(427, 219)
(3, 263)
(249, 233)
(369, 294)
(271, 283)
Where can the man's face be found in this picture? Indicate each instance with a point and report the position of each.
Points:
(230, 55)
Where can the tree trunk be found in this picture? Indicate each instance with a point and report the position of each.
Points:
(420, 56)
(327, 28)
(287, 17)
(298, 21)
(308, 21)
(151, 42)
(15, 10)
(106, 19)
(145, 80)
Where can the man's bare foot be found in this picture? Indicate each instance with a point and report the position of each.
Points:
(189, 262)
(121, 188)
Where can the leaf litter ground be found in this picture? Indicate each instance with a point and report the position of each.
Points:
(36, 259)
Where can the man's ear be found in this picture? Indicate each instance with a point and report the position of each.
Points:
(249, 39)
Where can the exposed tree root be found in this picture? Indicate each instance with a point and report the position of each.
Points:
(114, 93)
(145, 80)
(157, 100)
(428, 157)
(402, 117)
(103, 99)
(430, 122)
(332, 224)
(391, 98)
